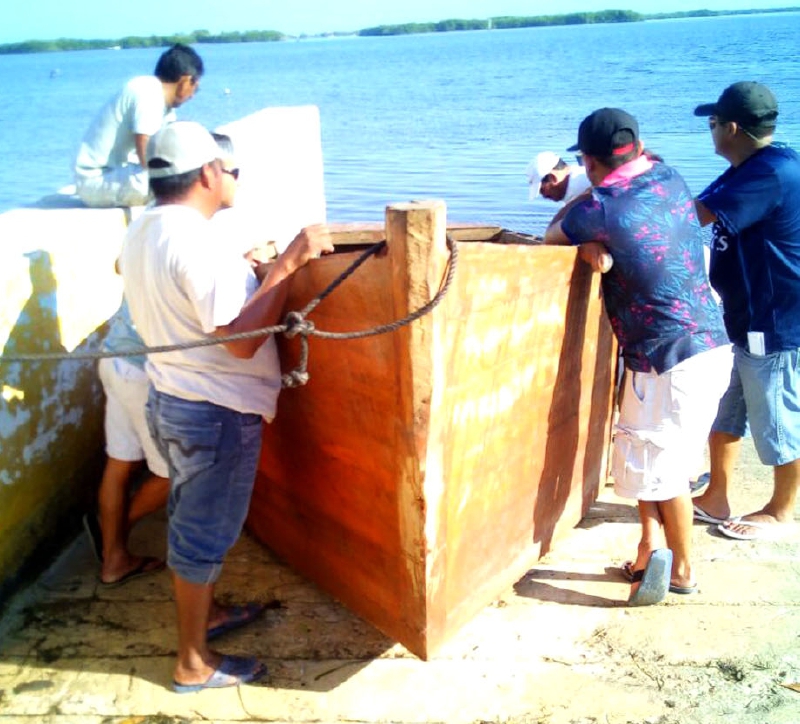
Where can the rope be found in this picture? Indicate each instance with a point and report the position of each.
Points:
(295, 324)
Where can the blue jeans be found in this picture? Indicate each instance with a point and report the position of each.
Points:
(732, 413)
(771, 386)
(212, 453)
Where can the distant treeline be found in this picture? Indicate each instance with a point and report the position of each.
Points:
(443, 26)
(152, 41)
(715, 13)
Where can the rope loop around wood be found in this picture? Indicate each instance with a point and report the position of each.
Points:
(295, 324)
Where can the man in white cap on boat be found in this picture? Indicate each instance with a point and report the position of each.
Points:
(207, 404)
(553, 178)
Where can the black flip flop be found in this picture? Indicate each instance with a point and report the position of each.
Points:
(238, 616)
(653, 580)
(145, 568)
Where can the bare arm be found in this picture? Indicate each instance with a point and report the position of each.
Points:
(263, 309)
(562, 212)
(140, 141)
(704, 215)
(593, 253)
(555, 234)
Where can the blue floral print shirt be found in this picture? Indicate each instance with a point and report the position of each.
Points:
(656, 294)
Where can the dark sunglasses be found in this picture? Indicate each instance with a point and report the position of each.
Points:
(714, 122)
(231, 172)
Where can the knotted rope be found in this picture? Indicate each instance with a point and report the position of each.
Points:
(295, 324)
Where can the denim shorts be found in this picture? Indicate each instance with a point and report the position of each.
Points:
(732, 413)
(771, 386)
(213, 454)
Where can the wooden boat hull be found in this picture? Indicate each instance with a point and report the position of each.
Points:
(422, 472)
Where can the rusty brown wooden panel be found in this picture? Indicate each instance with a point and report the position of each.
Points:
(421, 472)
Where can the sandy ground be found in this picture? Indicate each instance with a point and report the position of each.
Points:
(560, 647)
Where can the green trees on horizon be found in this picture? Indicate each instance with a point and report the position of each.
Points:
(506, 22)
(443, 26)
(152, 41)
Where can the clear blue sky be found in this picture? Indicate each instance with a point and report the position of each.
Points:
(112, 19)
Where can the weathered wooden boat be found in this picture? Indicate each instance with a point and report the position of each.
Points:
(420, 473)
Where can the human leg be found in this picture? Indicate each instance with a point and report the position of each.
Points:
(676, 515)
(122, 384)
(111, 504)
(771, 387)
(723, 454)
(117, 562)
(152, 494)
(212, 454)
(122, 186)
(727, 430)
(198, 667)
(779, 511)
(649, 573)
(195, 662)
(149, 497)
(661, 432)
(652, 536)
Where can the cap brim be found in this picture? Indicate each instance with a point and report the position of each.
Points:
(707, 109)
(574, 147)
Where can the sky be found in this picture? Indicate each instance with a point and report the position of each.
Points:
(114, 19)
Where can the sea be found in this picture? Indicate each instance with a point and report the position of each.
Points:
(454, 116)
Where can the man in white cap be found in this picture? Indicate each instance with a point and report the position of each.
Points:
(206, 404)
(551, 177)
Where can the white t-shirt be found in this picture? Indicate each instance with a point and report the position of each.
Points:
(181, 282)
(577, 184)
(139, 108)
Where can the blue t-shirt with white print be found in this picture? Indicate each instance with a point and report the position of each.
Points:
(755, 255)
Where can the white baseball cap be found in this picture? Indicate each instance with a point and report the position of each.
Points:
(178, 148)
(538, 168)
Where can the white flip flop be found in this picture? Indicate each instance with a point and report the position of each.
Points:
(701, 515)
(760, 531)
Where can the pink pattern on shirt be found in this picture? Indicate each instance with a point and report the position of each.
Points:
(628, 171)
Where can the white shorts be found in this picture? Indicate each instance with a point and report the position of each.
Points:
(663, 426)
(123, 186)
(127, 435)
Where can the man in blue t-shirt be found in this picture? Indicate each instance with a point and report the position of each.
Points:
(669, 328)
(755, 267)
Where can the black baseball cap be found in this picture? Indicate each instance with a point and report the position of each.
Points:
(607, 132)
(748, 103)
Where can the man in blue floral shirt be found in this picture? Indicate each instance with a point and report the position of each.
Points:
(669, 328)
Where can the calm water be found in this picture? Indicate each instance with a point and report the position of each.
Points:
(454, 116)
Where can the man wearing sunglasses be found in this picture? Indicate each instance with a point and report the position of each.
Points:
(754, 207)
(185, 281)
(110, 166)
